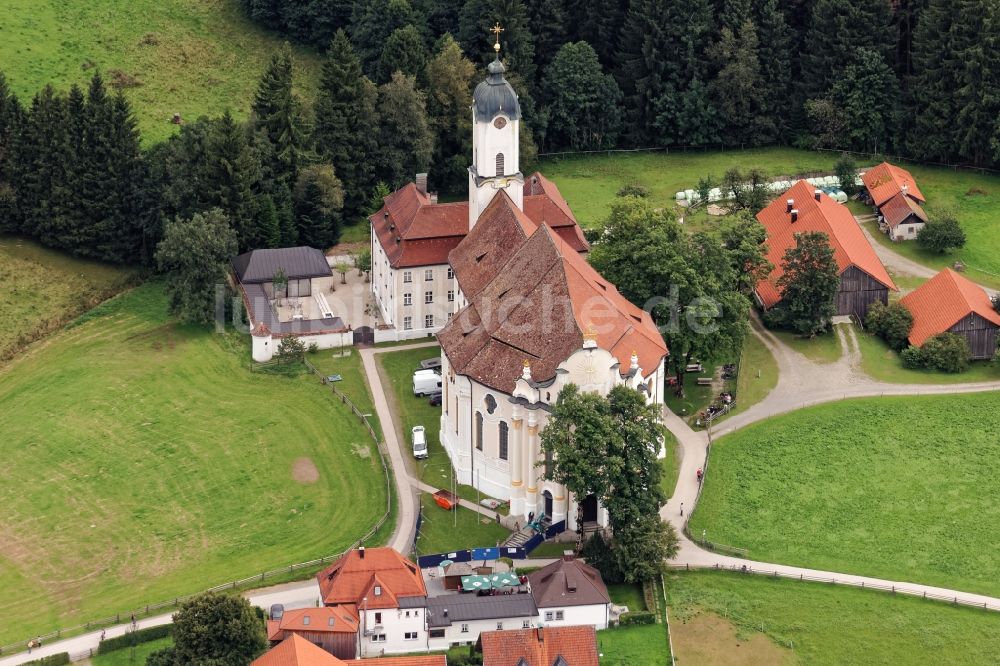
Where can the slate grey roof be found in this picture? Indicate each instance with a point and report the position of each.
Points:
(495, 95)
(412, 602)
(467, 607)
(259, 307)
(297, 262)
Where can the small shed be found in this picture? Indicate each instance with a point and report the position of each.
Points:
(902, 217)
(951, 303)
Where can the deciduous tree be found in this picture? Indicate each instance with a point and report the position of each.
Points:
(809, 283)
(217, 630)
(582, 103)
(890, 322)
(405, 140)
(941, 234)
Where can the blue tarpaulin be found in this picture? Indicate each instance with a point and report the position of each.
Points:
(486, 553)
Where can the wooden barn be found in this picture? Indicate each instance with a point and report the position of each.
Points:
(951, 303)
(332, 628)
(802, 209)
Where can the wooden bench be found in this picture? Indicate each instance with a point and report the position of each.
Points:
(704, 381)
(694, 367)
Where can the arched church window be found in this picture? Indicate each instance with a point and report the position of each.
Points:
(503, 440)
(499, 164)
(479, 430)
(491, 403)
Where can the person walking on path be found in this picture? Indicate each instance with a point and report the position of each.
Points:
(682, 508)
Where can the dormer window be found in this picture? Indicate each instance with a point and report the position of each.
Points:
(378, 590)
(305, 620)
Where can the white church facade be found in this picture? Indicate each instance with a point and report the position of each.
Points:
(503, 282)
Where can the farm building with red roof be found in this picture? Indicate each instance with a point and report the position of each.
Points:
(894, 192)
(951, 303)
(863, 278)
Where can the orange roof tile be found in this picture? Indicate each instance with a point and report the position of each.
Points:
(577, 645)
(900, 207)
(887, 180)
(942, 302)
(354, 577)
(333, 619)
(415, 232)
(535, 300)
(850, 247)
(297, 651)
(423, 660)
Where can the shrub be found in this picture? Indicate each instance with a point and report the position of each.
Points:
(633, 190)
(775, 318)
(51, 660)
(941, 235)
(290, 349)
(134, 638)
(846, 171)
(162, 657)
(947, 352)
(638, 617)
(890, 322)
(996, 302)
(912, 358)
(313, 347)
(598, 554)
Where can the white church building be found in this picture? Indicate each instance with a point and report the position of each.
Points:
(503, 282)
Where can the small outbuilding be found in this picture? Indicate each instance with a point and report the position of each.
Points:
(885, 181)
(951, 303)
(902, 217)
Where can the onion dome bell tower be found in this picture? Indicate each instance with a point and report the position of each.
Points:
(496, 121)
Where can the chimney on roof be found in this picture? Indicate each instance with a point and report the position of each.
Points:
(421, 182)
(361, 552)
(541, 635)
(789, 204)
(568, 556)
(446, 612)
(434, 197)
(818, 192)
(795, 215)
(904, 188)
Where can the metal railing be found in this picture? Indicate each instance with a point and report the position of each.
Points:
(148, 610)
(834, 579)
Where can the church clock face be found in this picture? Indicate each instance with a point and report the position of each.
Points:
(500, 122)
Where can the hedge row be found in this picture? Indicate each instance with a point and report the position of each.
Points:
(51, 660)
(638, 617)
(134, 638)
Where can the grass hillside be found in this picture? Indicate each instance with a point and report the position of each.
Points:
(143, 460)
(193, 57)
(718, 617)
(43, 289)
(902, 488)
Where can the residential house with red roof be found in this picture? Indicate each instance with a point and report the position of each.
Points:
(570, 592)
(333, 628)
(894, 192)
(951, 303)
(863, 278)
(502, 280)
(297, 651)
(386, 594)
(549, 646)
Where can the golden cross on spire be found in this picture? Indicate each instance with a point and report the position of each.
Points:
(496, 30)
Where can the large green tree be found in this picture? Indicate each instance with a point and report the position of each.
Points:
(478, 17)
(738, 88)
(691, 284)
(866, 99)
(277, 112)
(608, 447)
(319, 199)
(344, 133)
(582, 103)
(195, 254)
(404, 51)
(372, 23)
(450, 76)
(809, 283)
(405, 142)
(217, 630)
(11, 126)
(942, 234)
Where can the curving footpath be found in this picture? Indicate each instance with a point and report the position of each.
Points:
(801, 382)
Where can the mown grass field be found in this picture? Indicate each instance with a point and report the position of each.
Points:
(823, 348)
(882, 363)
(814, 623)
(42, 289)
(135, 656)
(193, 57)
(143, 460)
(641, 645)
(902, 488)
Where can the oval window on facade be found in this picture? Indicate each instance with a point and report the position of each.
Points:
(491, 404)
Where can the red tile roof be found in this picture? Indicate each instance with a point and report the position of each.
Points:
(887, 180)
(423, 660)
(850, 247)
(353, 578)
(534, 302)
(297, 651)
(577, 645)
(942, 302)
(897, 209)
(325, 619)
(415, 232)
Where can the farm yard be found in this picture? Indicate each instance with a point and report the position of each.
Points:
(901, 488)
(44, 289)
(193, 57)
(143, 460)
(729, 618)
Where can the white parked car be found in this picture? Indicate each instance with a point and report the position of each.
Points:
(419, 443)
(426, 382)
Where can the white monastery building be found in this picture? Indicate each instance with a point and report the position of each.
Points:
(502, 281)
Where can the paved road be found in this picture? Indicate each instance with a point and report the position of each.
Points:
(800, 382)
(300, 594)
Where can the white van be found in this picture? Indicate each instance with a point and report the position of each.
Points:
(426, 382)
(419, 443)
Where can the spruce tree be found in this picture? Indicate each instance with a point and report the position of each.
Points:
(449, 88)
(932, 102)
(319, 199)
(476, 20)
(372, 22)
(977, 93)
(120, 233)
(738, 91)
(774, 55)
(548, 21)
(600, 29)
(41, 168)
(235, 174)
(277, 111)
(404, 52)
(345, 126)
(405, 142)
(11, 127)
(584, 104)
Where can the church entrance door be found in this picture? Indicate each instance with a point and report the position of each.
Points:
(547, 496)
(590, 509)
